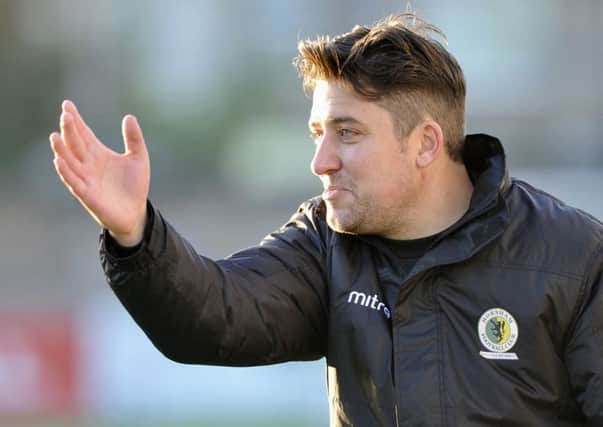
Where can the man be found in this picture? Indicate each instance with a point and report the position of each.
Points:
(440, 291)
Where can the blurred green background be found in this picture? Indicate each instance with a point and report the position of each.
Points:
(224, 116)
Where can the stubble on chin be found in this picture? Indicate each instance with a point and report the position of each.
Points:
(343, 220)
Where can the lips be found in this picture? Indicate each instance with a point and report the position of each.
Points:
(333, 191)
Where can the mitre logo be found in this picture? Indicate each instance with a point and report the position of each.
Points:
(369, 301)
(498, 332)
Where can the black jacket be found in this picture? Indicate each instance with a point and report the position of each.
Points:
(499, 324)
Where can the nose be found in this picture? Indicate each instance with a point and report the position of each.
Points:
(326, 159)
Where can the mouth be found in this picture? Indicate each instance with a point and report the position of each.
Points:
(333, 191)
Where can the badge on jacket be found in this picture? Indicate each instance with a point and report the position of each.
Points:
(498, 332)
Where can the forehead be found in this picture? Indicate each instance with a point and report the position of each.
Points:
(333, 99)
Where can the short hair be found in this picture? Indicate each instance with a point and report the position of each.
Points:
(400, 65)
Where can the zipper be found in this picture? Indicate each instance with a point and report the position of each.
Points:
(396, 409)
(395, 379)
(422, 274)
(440, 350)
(405, 286)
(395, 365)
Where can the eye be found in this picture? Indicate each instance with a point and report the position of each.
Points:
(346, 134)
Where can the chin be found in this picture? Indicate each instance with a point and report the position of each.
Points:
(342, 223)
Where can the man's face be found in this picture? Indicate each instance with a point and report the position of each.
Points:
(369, 176)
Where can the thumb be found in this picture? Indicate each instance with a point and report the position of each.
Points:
(132, 134)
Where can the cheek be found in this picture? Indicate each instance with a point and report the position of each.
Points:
(395, 182)
(376, 173)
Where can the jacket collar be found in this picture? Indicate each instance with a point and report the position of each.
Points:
(485, 160)
(487, 216)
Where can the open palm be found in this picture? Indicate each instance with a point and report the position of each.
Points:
(112, 187)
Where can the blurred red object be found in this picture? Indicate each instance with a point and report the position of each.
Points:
(39, 364)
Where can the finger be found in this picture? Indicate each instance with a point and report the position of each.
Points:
(75, 185)
(132, 134)
(60, 150)
(70, 136)
(81, 126)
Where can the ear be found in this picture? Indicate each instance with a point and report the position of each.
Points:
(431, 142)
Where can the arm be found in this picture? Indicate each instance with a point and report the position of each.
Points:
(266, 304)
(584, 351)
(263, 305)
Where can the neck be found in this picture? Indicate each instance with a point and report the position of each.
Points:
(444, 197)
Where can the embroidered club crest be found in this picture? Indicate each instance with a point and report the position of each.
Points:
(498, 332)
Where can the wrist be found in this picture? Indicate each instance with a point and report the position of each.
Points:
(128, 240)
(132, 238)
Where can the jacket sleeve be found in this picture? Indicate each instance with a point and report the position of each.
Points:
(263, 305)
(584, 350)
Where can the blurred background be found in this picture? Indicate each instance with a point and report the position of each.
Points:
(225, 117)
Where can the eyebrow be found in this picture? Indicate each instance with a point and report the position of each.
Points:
(335, 121)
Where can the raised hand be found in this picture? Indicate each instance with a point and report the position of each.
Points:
(112, 187)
